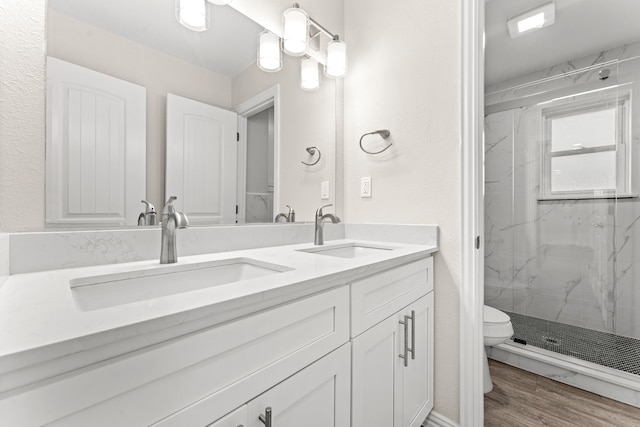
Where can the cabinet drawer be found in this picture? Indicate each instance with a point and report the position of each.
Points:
(377, 297)
(221, 365)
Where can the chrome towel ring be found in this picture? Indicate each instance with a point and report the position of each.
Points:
(312, 151)
(384, 133)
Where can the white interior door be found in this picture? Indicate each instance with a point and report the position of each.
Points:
(201, 160)
(96, 147)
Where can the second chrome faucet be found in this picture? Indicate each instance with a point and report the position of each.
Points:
(171, 221)
(320, 219)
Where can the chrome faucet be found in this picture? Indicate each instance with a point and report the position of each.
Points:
(171, 221)
(320, 218)
(148, 217)
(290, 217)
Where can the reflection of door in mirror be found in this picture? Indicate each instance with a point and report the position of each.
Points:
(259, 167)
(96, 142)
(201, 160)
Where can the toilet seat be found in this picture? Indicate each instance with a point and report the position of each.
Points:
(497, 324)
(496, 329)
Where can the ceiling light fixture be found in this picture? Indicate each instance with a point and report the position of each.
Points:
(531, 20)
(193, 14)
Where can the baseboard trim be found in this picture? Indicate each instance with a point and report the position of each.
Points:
(436, 420)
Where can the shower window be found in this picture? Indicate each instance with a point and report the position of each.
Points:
(585, 150)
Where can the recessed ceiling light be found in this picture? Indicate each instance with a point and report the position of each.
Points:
(531, 20)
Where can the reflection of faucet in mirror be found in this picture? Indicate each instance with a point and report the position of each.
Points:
(320, 218)
(290, 217)
(171, 221)
(149, 216)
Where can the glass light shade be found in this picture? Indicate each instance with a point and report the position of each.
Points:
(269, 54)
(309, 74)
(295, 31)
(220, 2)
(192, 14)
(336, 65)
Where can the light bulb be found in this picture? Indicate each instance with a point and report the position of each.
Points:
(269, 55)
(309, 74)
(192, 14)
(336, 65)
(295, 31)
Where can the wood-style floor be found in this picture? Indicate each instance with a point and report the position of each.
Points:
(520, 398)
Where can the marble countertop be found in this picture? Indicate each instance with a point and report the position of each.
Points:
(42, 323)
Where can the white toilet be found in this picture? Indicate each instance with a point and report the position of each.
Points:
(497, 329)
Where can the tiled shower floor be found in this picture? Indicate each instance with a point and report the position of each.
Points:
(602, 348)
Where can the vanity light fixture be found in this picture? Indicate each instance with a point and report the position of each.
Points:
(193, 14)
(309, 74)
(269, 54)
(298, 29)
(295, 31)
(531, 20)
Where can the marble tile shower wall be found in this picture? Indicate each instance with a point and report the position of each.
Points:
(571, 261)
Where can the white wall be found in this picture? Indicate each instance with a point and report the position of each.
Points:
(91, 47)
(22, 89)
(403, 76)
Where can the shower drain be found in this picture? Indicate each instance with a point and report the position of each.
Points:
(551, 340)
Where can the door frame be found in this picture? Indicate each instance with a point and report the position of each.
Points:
(472, 212)
(266, 99)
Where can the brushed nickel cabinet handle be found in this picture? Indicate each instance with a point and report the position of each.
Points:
(266, 418)
(405, 356)
(412, 350)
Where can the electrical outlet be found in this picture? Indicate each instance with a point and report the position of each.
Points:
(324, 190)
(365, 186)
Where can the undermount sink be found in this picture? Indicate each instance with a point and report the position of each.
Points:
(348, 250)
(96, 292)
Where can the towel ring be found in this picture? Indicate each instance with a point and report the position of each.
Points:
(384, 133)
(312, 151)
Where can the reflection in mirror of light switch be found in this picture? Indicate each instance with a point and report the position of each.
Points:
(324, 190)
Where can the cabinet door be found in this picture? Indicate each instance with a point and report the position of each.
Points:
(417, 377)
(237, 418)
(385, 392)
(375, 366)
(317, 396)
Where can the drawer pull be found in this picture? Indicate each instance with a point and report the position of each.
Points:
(412, 350)
(266, 418)
(405, 356)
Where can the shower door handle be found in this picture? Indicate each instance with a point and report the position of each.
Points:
(405, 354)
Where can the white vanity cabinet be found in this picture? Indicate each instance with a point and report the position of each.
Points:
(392, 361)
(192, 380)
(354, 350)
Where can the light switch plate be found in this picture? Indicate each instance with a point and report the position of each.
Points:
(324, 190)
(365, 186)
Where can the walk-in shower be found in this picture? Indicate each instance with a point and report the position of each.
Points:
(562, 208)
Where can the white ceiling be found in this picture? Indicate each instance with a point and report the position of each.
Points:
(582, 27)
(227, 47)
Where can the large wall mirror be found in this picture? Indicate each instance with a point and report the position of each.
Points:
(185, 83)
